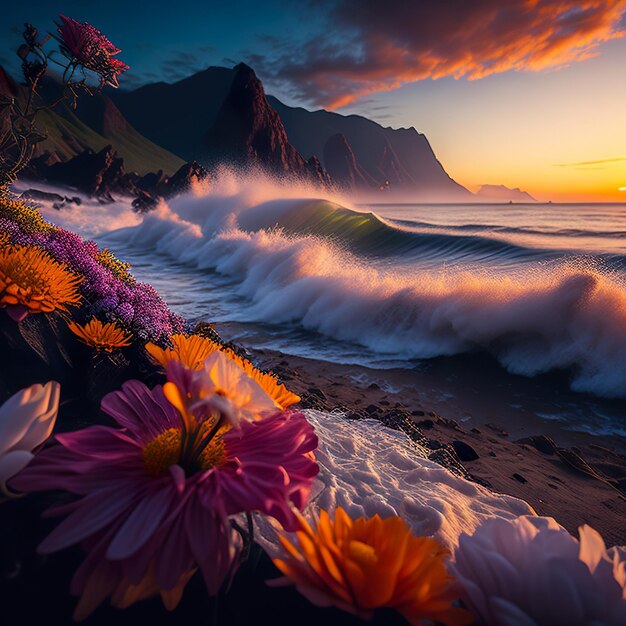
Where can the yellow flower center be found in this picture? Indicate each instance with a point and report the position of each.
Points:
(166, 450)
(361, 552)
(163, 451)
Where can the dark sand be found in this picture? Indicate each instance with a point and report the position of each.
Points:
(575, 477)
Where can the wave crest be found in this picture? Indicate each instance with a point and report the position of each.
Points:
(541, 319)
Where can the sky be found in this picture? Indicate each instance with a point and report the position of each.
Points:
(525, 93)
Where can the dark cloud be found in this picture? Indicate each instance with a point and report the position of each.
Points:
(372, 46)
(183, 63)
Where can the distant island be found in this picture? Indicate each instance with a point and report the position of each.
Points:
(504, 194)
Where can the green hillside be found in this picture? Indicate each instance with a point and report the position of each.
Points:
(68, 135)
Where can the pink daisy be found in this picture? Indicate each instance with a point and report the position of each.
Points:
(153, 508)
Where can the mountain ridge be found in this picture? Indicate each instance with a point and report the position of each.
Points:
(223, 115)
(397, 159)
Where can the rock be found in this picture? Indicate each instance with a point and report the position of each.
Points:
(95, 173)
(497, 429)
(373, 387)
(317, 172)
(541, 442)
(183, 180)
(519, 478)
(418, 413)
(144, 201)
(314, 391)
(373, 409)
(448, 423)
(43, 348)
(464, 451)
(426, 424)
(46, 196)
(150, 182)
(248, 132)
(433, 444)
(342, 165)
(448, 458)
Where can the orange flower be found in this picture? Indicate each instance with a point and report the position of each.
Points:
(192, 351)
(102, 337)
(31, 281)
(364, 564)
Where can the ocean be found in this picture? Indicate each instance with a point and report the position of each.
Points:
(526, 302)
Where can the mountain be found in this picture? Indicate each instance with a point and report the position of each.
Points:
(95, 124)
(223, 114)
(247, 132)
(504, 194)
(342, 165)
(403, 157)
(182, 117)
(177, 116)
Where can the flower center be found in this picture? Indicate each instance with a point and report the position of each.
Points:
(163, 451)
(166, 450)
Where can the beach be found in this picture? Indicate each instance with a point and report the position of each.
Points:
(575, 477)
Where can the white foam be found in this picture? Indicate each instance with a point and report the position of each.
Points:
(546, 319)
(90, 219)
(367, 468)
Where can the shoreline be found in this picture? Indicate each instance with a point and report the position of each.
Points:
(575, 477)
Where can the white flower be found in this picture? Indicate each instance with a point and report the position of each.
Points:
(224, 387)
(532, 572)
(26, 421)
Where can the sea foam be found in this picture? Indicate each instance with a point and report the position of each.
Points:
(369, 469)
(276, 244)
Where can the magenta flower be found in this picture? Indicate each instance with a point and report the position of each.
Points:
(149, 513)
(88, 47)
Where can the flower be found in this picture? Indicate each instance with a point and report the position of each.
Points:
(107, 292)
(364, 564)
(120, 269)
(102, 337)
(31, 281)
(193, 350)
(190, 350)
(113, 70)
(530, 571)
(88, 47)
(221, 386)
(26, 421)
(81, 40)
(156, 496)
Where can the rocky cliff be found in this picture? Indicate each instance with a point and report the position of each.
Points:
(248, 132)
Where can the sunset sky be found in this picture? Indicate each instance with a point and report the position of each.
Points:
(526, 93)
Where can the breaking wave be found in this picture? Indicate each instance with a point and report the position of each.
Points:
(357, 277)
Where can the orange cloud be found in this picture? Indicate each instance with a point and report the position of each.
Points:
(376, 46)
